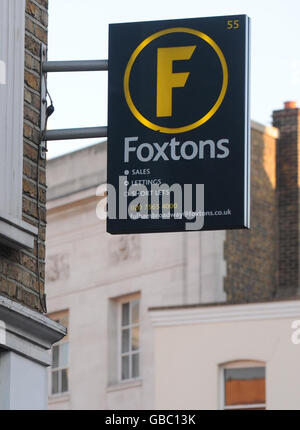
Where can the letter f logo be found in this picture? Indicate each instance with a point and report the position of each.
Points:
(166, 79)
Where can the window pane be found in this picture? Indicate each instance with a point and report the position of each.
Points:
(125, 314)
(125, 340)
(245, 386)
(64, 380)
(135, 312)
(54, 382)
(135, 338)
(125, 367)
(135, 362)
(245, 373)
(55, 356)
(63, 354)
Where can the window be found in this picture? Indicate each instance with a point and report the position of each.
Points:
(130, 339)
(244, 385)
(59, 379)
(123, 334)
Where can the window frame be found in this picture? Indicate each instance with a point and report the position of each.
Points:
(128, 299)
(59, 369)
(58, 316)
(238, 364)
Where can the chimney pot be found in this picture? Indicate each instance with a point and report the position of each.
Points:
(290, 105)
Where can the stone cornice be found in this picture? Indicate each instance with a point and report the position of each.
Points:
(27, 332)
(225, 313)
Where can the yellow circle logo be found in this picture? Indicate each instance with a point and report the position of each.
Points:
(204, 118)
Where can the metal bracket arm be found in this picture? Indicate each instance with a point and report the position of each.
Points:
(75, 66)
(66, 66)
(75, 133)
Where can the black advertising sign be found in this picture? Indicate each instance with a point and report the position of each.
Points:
(178, 125)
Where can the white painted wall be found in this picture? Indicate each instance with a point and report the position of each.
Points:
(190, 344)
(12, 33)
(13, 230)
(23, 383)
(26, 337)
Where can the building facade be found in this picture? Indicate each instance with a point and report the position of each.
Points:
(240, 356)
(116, 292)
(26, 334)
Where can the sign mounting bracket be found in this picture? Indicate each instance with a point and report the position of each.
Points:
(65, 66)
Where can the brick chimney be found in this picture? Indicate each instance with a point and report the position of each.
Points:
(287, 120)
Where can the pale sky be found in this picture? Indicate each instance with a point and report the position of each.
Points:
(78, 30)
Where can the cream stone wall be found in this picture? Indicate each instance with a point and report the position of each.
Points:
(87, 268)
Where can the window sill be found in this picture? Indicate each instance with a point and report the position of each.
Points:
(16, 233)
(58, 398)
(132, 383)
